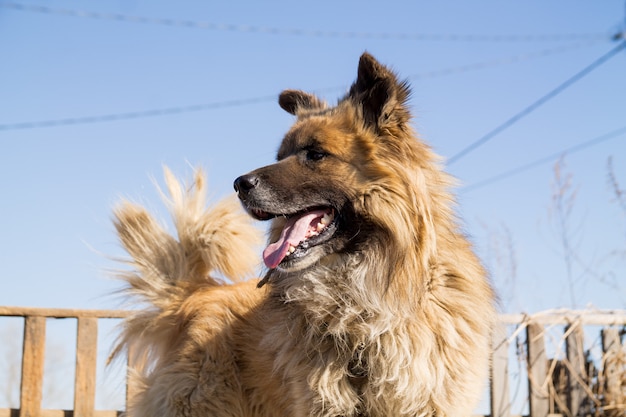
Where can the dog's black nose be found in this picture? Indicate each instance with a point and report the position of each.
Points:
(245, 183)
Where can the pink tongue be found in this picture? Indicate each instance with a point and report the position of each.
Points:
(293, 233)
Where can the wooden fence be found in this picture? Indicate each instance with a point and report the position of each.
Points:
(568, 379)
(31, 386)
(569, 386)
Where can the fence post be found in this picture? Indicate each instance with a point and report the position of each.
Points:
(131, 389)
(577, 374)
(86, 356)
(611, 346)
(537, 371)
(32, 366)
(499, 391)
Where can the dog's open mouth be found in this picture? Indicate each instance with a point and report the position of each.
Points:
(301, 232)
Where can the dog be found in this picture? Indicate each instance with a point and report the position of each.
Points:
(373, 302)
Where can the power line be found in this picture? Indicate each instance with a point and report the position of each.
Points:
(132, 115)
(503, 61)
(525, 112)
(546, 159)
(113, 117)
(191, 24)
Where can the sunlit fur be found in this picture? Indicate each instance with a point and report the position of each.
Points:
(185, 311)
(397, 324)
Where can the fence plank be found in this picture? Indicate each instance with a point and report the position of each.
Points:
(131, 389)
(32, 366)
(611, 346)
(60, 312)
(576, 369)
(565, 316)
(86, 356)
(537, 371)
(500, 403)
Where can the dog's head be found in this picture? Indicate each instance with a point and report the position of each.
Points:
(339, 171)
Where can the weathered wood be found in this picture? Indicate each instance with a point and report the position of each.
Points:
(607, 318)
(537, 371)
(14, 412)
(9, 412)
(611, 346)
(86, 356)
(131, 389)
(32, 366)
(62, 313)
(577, 373)
(499, 389)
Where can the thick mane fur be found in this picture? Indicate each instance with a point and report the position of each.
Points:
(386, 312)
(408, 308)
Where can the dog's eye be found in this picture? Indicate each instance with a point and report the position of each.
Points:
(315, 155)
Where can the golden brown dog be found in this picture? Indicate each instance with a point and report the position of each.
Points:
(373, 303)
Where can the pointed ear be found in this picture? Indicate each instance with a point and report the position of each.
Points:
(379, 93)
(294, 100)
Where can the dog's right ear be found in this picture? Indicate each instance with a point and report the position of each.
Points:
(294, 100)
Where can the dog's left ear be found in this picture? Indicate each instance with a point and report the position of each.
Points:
(382, 97)
(294, 100)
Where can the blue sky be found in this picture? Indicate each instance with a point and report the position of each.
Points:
(59, 183)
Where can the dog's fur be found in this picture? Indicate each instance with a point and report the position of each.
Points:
(387, 312)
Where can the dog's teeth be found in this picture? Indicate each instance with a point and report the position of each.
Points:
(292, 249)
(325, 220)
(320, 226)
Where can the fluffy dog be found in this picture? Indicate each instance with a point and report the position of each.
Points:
(373, 303)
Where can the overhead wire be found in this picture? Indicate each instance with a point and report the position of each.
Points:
(112, 117)
(192, 24)
(132, 115)
(570, 150)
(538, 103)
(503, 61)
(554, 156)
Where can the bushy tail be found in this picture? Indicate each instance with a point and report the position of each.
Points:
(167, 269)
